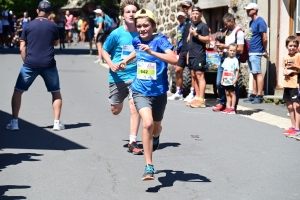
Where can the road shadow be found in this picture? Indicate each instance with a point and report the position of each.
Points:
(249, 112)
(31, 136)
(5, 188)
(71, 126)
(160, 147)
(7, 159)
(173, 176)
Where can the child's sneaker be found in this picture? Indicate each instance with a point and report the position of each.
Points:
(13, 126)
(225, 111)
(294, 132)
(231, 111)
(58, 126)
(190, 97)
(155, 143)
(175, 96)
(149, 173)
(288, 131)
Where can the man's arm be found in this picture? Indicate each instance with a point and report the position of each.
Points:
(23, 49)
(264, 40)
(108, 60)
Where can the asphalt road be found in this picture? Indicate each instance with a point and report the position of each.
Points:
(203, 155)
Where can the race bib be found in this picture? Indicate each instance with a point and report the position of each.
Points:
(126, 50)
(228, 77)
(146, 70)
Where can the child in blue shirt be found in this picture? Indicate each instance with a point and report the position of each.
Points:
(229, 78)
(153, 52)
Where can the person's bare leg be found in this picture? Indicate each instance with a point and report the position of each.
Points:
(134, 119)
(99, 47)
(259, 83)
(147, 133)
(201, 84)
(233, 99)
(291, 110)
(297, 115)
(57, 104)
(16, 103)
(228, 99)
(196, 84)
(193, 80)
(254, 90)
(179, 76)
(157, 129)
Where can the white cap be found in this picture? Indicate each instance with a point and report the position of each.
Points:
(251, 6)
(98, 11)
(181, 14)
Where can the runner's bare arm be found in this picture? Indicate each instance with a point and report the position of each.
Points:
(125, 61)
(23, 49)
(56, 42)
(108, 60)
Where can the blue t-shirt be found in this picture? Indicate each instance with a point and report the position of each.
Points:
(152, 77)
(91, 16)
(40, 35)
(97, 21)
(180, 30)
(119, 45)
(257, 26)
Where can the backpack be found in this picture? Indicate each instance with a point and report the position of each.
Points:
(107, 24)
(245, 55)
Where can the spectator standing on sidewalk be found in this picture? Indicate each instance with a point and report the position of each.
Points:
(60, 21)
(234, 34)
(116, 49)
(182, 60)
(6, 28)
(37, 51)
(91, 26)
(68, 26)
(1, 31)
(199, 37)
(258, 40)
(99, 34)
(291, 65)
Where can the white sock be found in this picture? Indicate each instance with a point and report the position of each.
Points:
(15, 120)
(56, 121)
(132, 138)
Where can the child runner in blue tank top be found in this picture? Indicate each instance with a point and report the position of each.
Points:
(153, 52)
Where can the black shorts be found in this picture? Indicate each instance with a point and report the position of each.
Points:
(6, 30)
(100, 37)
(197, 64)
(182, 59)
(229, 87)
(156, 103)
(290, 94)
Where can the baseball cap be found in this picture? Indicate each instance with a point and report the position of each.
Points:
(44, 6)
(181, 14)
(98, 11)
(196, 9)
(144, 13)
(187, 3)
(251, 6)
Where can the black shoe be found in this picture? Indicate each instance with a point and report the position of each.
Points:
(149, 173)
(155, 143)
(134, 149)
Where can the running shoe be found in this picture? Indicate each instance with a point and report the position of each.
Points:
(219, 107)
(13, 126)
(288, 131)
(295, 136)
(189, 103)
(231, 111)
(155, 143)
(100, 61)
(250, 98)
(149, 173)
(91, 52)
(294, 132)
(189, 97)
(134, 149)
(58, 126)
(175, 96)
(257, 100)
(198, 104)
(225, 111)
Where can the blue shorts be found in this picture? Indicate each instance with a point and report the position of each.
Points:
(27, 75)
(91, 34)
(254, 63)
